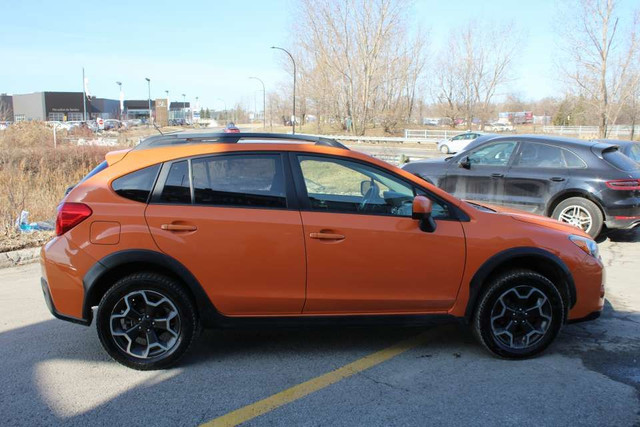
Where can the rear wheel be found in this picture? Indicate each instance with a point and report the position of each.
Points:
(581, 213)
(519, 314)
(444, 149)
(146, 321)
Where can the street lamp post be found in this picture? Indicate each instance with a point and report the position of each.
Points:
(149, 88)
(264, 103)
(293, 121)
(120, 98)
(184, 108)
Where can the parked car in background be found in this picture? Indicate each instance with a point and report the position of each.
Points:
(499, 127)
(479, 140)
(231, 128)
(630, 148)
(112, 124)
(457, 143)
(588, 184)
(295, 229)
(430, 122)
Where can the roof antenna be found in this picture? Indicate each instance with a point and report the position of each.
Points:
(157, 128)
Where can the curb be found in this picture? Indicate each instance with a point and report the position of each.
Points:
(19, 257)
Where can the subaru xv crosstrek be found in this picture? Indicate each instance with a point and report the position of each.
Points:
(191, 231)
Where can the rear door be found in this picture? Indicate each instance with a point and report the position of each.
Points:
(483, 180)
(230, 220)
(539, 172)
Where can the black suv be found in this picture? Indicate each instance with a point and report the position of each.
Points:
(585, 183)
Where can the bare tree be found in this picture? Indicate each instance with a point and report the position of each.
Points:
(601, 55)
(357, 61)
(475, 65)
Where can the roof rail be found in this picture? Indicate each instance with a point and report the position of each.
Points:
(229, 138)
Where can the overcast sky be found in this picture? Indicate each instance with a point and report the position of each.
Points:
(209, 49)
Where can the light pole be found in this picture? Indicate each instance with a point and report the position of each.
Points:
(264, 103)
(197, 105)
(293, 122)
(225, 106)
(149, 88)
(184, 108)
(120, 98)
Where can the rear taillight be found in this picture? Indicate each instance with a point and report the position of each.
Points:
(624, 184)
(69, 215)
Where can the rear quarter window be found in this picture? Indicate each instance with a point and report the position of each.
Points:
(136, 185)
(618, 160)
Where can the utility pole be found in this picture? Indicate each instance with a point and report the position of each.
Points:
(120, 98)
(84, 96)
(264, 103)
(293, 121)
(149, 88)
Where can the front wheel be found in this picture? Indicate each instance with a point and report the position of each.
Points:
(146, 321)
(581, 213)
(444, 149)
(519, 314)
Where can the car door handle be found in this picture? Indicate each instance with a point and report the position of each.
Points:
(178, 227)
(497, 175)
(326, 236)
(557, 179)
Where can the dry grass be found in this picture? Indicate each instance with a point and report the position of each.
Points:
(34, 177)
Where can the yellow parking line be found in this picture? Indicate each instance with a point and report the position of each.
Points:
(298, 391)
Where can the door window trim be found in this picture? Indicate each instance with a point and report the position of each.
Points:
(455, 213)
(291, 199)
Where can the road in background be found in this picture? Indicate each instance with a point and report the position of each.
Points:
(54, 372)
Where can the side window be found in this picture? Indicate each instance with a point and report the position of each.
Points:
(458, 137)
(547, 156)
(136, 185)
(335, 185)
(495, 154)
(240, 180)
(572, 160)
(177, 188)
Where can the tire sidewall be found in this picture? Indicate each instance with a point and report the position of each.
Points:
(131, 284)
(444, 149)
(483, 319)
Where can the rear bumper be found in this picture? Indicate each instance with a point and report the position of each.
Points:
(623, 222)
(622, 212)
(52, 308)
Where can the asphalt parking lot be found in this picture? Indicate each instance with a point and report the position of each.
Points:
(55, 372)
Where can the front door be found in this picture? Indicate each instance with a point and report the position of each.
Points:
(227, 219)
(364, 252)
(539, 172)
(483, 178)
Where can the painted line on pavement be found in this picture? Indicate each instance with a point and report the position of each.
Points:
(301, 390)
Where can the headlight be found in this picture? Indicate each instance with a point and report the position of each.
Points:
(589, 246)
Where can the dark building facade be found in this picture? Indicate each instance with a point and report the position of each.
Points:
(6, 108)
(62, 106)
(138, 109)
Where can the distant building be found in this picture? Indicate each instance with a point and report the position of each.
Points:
(138, 109)
(180, 111)
(61, 106)
(6, 108)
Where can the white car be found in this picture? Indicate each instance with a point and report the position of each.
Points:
(457, 143)
(501, 127)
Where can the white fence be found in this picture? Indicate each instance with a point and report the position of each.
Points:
(614, 132)
(431, 134)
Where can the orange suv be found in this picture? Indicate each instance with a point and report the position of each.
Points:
(186, 231)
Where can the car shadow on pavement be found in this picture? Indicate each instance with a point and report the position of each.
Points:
(620, 236)
(57, 372)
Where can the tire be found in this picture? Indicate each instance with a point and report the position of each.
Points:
(444, 149)
(518, 334)
(574, 210)
(162, 307)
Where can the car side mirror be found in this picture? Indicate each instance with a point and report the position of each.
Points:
(365, 186)
(465, 163)
(421, 211)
